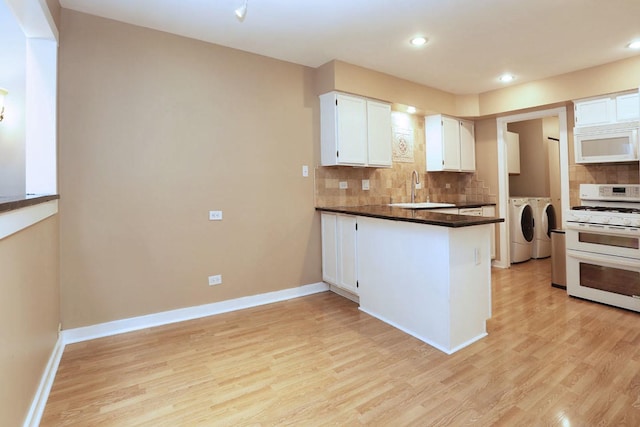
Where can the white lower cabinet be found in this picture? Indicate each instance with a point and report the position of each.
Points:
(339, 251)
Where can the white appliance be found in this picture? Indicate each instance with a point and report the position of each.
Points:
(603, 245)
(520, 229)
(544, 220)
(607, 143)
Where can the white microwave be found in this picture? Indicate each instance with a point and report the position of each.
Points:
(604, 144)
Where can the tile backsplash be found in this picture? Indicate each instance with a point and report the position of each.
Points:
(393, 185)
(604, 173)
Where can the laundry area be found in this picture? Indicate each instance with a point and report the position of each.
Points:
(534, 187)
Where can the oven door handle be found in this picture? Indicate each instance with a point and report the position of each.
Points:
(626, 262)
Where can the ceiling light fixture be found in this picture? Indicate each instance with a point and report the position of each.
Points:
(411, 110)
(634, 44)
(3, 93)
(506, 78)
(241, 12)
(418, 41)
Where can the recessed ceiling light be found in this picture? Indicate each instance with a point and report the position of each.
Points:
(418, 41)
(634, 44)
(411, 109)
(506, 78)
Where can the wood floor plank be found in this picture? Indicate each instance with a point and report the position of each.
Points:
(548, 360)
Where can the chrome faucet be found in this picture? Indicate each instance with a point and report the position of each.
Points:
(415, 179)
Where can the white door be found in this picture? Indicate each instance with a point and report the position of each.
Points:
(329, 248)
(513, 152)
(347, 253)
(467, 147)
(379, 133)
(451, 143)
(352, 130)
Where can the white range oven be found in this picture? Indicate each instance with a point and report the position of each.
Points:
(603, 245)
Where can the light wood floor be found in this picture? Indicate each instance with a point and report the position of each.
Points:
(548, 360)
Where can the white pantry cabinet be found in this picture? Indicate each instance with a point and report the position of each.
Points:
(605, 110)
(339, 251)
(450, 144)
(354, 131)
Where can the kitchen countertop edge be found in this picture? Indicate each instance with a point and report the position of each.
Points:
(12, 203)
(422, 216)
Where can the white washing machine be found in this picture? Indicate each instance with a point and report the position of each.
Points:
(544, 220)
(520, 229)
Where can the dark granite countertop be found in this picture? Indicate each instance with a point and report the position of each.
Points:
(10, 203)
(422, 216)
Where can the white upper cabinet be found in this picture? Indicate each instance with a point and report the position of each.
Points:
(450, 144)
(379, 133)
(354, 131)
(605, 110)
(513, 152)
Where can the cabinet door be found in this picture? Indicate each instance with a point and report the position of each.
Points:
(513, 152)
(352, 130)
(379, 133)
(347, 253)
(450, 143)
(329, 248)
(627, 107)
(594, 112)
(467, 147)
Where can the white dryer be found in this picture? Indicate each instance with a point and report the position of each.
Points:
(544, 220)
(520, 229)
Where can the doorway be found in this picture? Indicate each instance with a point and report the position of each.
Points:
(503, 175)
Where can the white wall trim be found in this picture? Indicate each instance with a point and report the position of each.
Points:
(115, 327)
(42, 393)
(16, 220)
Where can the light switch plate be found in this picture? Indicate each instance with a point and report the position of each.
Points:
(343, 185)
(305, 170)
(215, 215)
(365, 184)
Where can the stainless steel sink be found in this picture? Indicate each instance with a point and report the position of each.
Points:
(422, 205)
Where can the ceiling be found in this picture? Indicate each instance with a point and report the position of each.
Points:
(471, 42)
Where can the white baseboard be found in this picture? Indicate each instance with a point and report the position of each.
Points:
(442, 348)
(86, 333)
(42, 393)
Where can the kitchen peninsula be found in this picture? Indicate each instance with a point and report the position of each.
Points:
(425, 272)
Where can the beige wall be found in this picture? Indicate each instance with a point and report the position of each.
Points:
(486, 133)
(345, 77)
(54, 9)
(29, 314)
(533, 179)
(609, 78)
(155, 131)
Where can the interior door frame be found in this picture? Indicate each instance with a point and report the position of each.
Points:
(503, 174)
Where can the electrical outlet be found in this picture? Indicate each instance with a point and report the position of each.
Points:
(215, 280)
(215, 215)
(447, 185)
(305, 170)
(365, 184)
(343, 185)
(419, 186)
